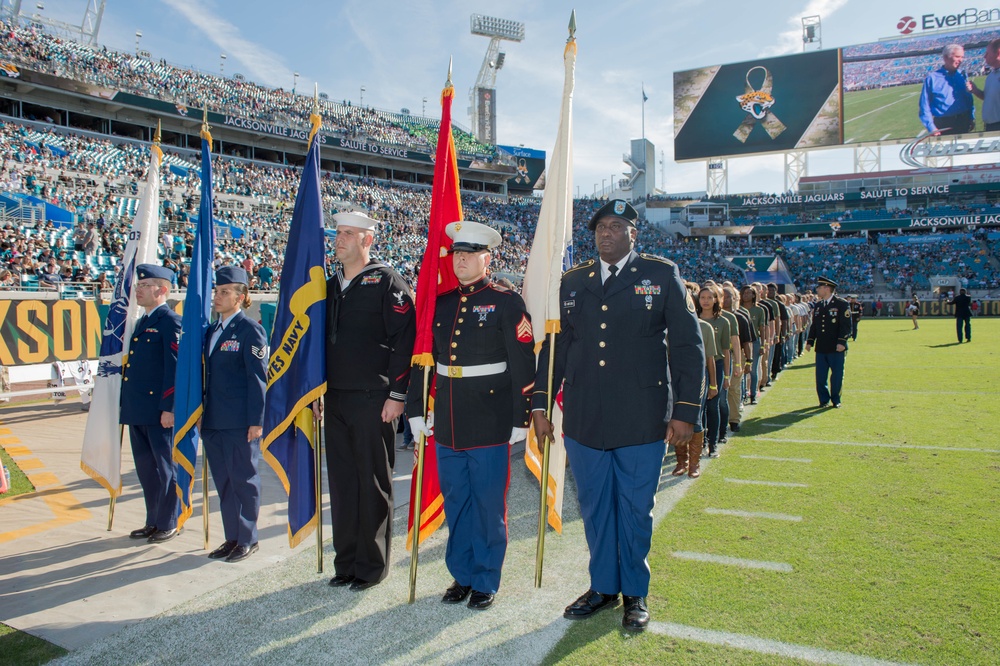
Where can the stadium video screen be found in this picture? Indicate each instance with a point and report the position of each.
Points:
(883, 80)
(768, 105)
(864, 94)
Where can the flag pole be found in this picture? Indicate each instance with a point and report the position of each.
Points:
(416, 509)
(543, 510)
(318, 433)
(205, 508)
(111, 502)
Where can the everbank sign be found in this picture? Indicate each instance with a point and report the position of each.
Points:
(970, 16)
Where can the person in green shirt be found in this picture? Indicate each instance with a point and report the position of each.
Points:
(758, 319)
(689, 454)
(708, 307)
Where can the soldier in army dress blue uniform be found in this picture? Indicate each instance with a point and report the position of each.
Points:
(831, 327)
(624, 397)
(233, 418)
(484, 353)
(147, 401)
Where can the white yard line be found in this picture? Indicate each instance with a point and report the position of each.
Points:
(754, 514)
(775, 459)
(733, 561)
(776, 484)
(766, 646)
(874, 445)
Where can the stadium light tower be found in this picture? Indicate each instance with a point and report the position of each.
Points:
(86, 32)
(482, 98)
(812, 32)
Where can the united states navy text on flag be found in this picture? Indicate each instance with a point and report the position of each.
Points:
(297, 365)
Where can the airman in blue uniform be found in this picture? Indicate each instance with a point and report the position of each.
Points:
(233, 418)
(147, 401)
(631, 362)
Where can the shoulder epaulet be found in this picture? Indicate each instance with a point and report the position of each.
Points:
(653, 257)
(499, 287)
(582, 264)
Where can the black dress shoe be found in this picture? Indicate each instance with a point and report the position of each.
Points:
(636, 614)
(588, 604)
(836, 405)
(142, 533)
(241, 553)
(341, 580)
(481, 600)
(222, 551)
(159, 536)
(358, 585)
(734, 427)
(456, 594)
(823, 404)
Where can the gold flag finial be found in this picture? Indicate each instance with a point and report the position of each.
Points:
(448, 83)
(315, 119)
(204, 119)
(316, 98)
(572, 26)
(156, 137)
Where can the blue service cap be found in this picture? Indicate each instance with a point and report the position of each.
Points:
(231, 275)
(152, 271)
(827, 281)
(615, 208)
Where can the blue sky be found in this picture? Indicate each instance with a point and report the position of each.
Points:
(398, 51)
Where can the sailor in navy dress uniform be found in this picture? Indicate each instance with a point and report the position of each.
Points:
(233, 417)
(631, 362)
(831, 327)
(484, 353)
(370, 328)
(147, 401)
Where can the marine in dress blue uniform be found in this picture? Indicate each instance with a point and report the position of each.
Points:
(233, 418)
(370, 328)
(622, 398)
(485, 361)
(147, 401)
(831, 327)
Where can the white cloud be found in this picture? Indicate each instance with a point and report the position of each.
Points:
(262, 65)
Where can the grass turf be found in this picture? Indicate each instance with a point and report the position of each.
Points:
(20, 649)
(19, 483)
(895, 556)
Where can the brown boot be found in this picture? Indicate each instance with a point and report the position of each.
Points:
(694, 453)
(682, 459)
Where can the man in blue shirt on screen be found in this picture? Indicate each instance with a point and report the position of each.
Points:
(946, 99)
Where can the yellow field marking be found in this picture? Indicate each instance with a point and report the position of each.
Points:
(65, 508)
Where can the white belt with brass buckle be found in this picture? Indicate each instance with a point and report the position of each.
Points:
(484, 370)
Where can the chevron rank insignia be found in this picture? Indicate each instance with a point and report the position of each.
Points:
(257, 351)
(524, 333)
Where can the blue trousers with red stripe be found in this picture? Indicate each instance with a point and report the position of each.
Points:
(474, 484)
(617, 488)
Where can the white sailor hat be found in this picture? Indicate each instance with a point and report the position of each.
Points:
(472, 237)
(357, 220)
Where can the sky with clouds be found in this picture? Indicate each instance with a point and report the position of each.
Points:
(398, 52)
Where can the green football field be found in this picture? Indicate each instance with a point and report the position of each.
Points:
(889, 114)
(868, 534)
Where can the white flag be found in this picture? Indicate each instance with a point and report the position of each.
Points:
(542, 277)
(101, 456)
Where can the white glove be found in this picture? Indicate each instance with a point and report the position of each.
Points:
(419, 427)
(518, 435)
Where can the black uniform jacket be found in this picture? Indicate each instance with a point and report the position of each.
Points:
(831, 325)
(148, 371)
(474, 325)
(235, 376)
(370, 330)
(611, 355)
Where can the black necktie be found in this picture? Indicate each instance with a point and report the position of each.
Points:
(141, 324)
(612, 270)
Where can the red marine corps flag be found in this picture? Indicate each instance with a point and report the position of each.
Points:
(435, 277)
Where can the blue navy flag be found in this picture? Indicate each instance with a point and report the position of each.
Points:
(194, 322)
(296, 370)
(101, 454)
